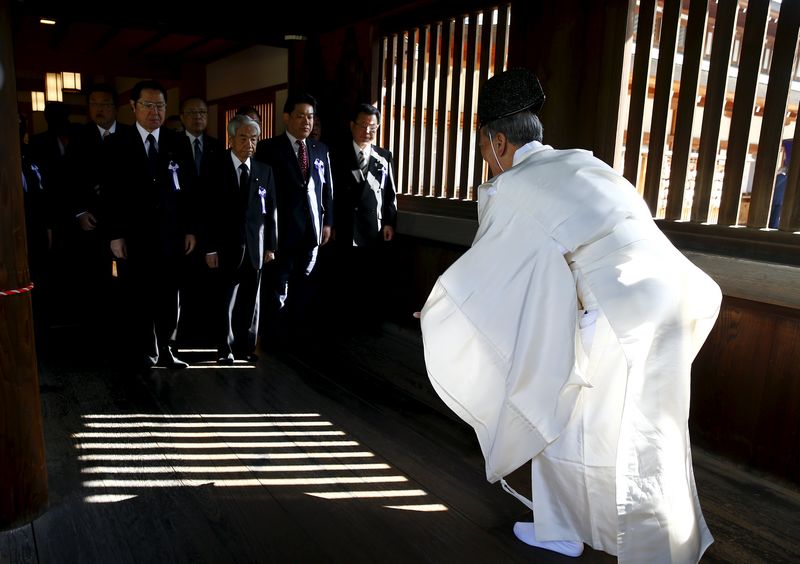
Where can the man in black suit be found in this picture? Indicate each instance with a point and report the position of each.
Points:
(304, 193)
(239, 235)
(195, 325)
(194, 116)
(149, 217)
(366, 214)
(91, 257)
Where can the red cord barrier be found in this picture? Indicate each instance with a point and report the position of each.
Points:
(22, 290)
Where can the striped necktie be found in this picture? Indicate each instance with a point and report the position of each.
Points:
(198, 154)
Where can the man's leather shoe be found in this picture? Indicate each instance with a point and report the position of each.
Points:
(167, 360)
(177, 363)
(226, 360)
(252, 358)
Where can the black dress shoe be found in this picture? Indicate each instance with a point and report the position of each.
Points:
(177, 363)
(170, 361)
(226, 360)
(252, 358)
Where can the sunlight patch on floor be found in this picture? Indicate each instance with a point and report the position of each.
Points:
(125, 454)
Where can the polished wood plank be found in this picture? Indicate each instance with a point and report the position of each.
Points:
(208, 426)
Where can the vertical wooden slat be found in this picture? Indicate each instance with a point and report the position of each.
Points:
(639, 85)
(746, 82)
(408, 109)
(790, 210)
(441, 109)
(724, 26)
(420, 159)
(379, 88)
(388, 117)
(455, 106)
(780, 77)
(501, 38)
(397, 122)
(670, 20)
(429, 114)
(486, 53)
(466, 147)
(690, 72)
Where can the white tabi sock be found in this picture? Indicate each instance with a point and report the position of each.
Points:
(526, 532)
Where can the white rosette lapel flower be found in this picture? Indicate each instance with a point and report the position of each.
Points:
(173, 168)
(262, 195)
(320, 166)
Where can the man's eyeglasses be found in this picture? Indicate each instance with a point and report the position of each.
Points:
(101, 104)
(372, 127)
(196, 112)
(158, 106)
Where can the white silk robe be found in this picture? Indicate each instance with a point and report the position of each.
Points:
(601, 410)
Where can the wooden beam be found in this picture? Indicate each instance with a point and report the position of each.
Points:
(687, 101)
(23, 473)
(724, 25)
(639, 83)
(670, 21)
(769, 142)
(746, 82)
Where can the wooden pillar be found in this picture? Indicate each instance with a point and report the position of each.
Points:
(23, 473)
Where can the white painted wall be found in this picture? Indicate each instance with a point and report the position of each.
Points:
(251, 69)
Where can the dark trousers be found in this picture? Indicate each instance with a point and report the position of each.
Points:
(289, 296)
(240, 309)
(150, 290)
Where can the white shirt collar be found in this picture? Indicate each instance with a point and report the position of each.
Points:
(293, 140)
(111, 129)
(143, 133)
(192, 138)
(523, 151)
(237, 162)
(367, 150)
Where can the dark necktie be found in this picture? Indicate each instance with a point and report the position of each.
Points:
(106, 133)
(244, 178)
(152, 153)
(198, 154)
(362, 162)
(302, 158)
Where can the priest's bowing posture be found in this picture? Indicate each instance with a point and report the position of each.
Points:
(565, 336)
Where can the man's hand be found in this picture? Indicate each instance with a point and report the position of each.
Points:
(269, 256)
(388, 232)
(326, 234)
(190, 243)
(87, 221)
(212, 260)
(119, 249)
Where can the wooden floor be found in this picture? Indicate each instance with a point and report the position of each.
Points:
(283, 463)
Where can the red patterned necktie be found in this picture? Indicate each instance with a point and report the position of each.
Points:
(302, 158)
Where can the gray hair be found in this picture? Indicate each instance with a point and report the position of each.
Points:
(240, 121)
(519, 128)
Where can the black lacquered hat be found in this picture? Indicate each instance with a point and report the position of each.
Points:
(507, 93)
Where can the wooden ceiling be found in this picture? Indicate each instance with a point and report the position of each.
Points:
(159, 39)
(88, 38)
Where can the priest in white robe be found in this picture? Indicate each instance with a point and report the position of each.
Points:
(565, 336)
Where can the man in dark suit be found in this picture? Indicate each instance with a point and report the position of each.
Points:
(194, 116)
(91, 257)
(149, 217)
(195, 325)
(366, 214)
(239, 235)
(304, 193)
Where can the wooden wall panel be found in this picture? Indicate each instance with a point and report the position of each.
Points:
(746, 387)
